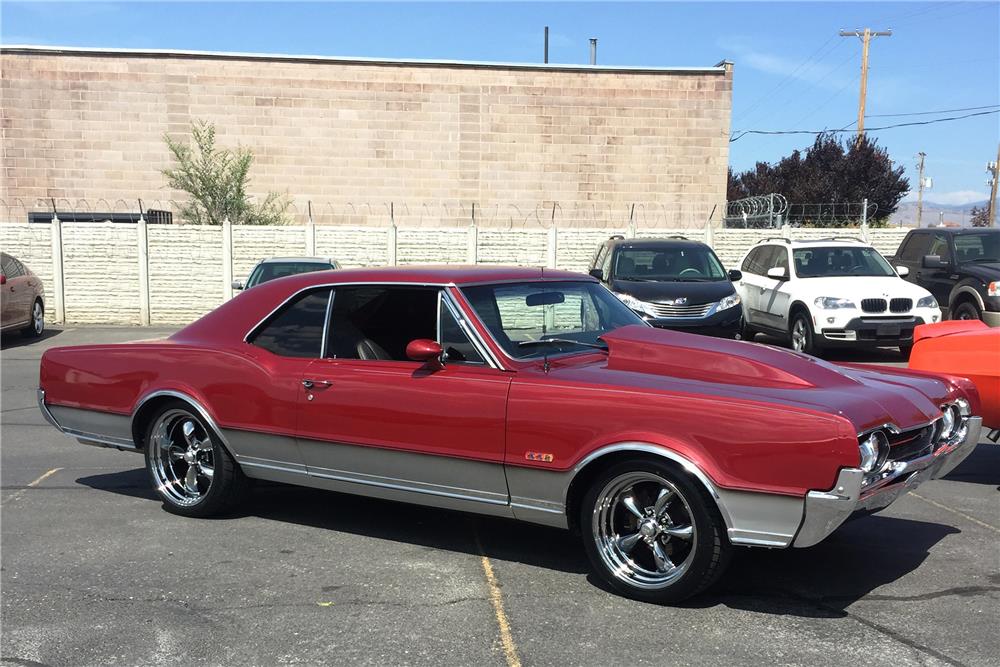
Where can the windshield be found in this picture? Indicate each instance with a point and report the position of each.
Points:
(272, 270)
(571, 311)
(982, 247)
(668, 263)
(839, 261)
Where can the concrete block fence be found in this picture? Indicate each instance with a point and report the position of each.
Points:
(103, 273)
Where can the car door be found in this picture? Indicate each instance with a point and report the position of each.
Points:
(776, 294)
(748, 286)
(939, 281)
(373, 420)
(16, 294)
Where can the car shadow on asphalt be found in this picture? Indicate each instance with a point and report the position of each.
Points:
(981, 467)
(11, 340)
(818, 582)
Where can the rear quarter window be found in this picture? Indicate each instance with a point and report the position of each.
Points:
(297, 329)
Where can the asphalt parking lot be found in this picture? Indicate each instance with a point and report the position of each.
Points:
(94, 572)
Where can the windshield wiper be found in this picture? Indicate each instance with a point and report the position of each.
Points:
(986, 259)
(561, 341)
(635, 279)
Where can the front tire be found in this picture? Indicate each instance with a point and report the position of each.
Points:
(802, 336)
(966, 311)
(36, 326)
(188, 466)
(652, 533)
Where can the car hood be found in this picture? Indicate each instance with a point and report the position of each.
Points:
(652, 359)
(859, 287)
(694, 292)
(985, 271)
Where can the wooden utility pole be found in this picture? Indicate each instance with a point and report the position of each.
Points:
(920, 187)
(991, 208)
(866, 38)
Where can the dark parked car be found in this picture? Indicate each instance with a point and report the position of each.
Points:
(960, 267)
(22, 298)
(672, 283)
(279, 267)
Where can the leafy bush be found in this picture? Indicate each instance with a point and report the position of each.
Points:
(216, 180)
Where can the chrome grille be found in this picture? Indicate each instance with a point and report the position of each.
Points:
(666, 310)
(913, 443)
(873, 305)
(901, 305)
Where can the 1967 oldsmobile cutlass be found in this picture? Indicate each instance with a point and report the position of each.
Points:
(523, 393)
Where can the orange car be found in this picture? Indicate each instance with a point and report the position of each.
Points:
(967, 348)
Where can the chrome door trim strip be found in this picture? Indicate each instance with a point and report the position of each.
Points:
(271, 464)
(409, 486)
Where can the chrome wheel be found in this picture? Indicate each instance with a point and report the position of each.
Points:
(182, 458)
(800, 335)
(644, 531)
(38, 318)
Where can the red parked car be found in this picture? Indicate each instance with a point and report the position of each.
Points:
(22, 298)
(523, 393)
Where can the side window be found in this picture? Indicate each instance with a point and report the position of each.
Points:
(606, 267)
(915, 247)
(598, 259)
(456, 345)
(376, 322)
(296, 330)
(7, 266)
(939, 246)
(749, 262)
(780, 258)
(765, 260)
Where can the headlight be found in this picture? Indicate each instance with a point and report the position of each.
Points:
(993, 289)
(634, 303)
(964, 409)
(832, 303)
(729, 302)
(874, 451)
(949, 420)
(927, 302)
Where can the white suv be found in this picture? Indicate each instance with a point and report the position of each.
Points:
(830, 292)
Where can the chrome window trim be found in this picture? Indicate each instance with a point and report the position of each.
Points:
(326, 324)
(446, 298)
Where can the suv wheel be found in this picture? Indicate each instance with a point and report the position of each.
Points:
(966, 311)
(802, 334)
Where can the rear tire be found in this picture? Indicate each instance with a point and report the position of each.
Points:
(802, 336)
(652, 533)
(188, 465)
(36, 326)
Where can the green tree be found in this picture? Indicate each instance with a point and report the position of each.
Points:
(980, 216)
(216, 181)
(830, 172)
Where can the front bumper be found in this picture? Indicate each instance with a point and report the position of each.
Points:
(724, 324)
(992, 319)
(826, 510)
(872, 331)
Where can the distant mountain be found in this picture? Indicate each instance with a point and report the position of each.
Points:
(906, 214)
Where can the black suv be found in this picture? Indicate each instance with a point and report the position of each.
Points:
(960, 267)
(672, 283)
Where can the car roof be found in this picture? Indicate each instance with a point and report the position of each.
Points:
(817, 243)
(445, 274)
(301, 260)
(957, 230)
(656, 241)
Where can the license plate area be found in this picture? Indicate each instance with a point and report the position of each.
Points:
(888, 330)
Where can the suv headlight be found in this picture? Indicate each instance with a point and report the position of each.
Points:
(729, 301)
(635, 304)
(927, 302)
(874, 451)
(832, 303)
(993, 289)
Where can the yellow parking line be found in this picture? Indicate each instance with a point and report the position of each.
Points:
(496, 599)
(955, 511)
(33, 484)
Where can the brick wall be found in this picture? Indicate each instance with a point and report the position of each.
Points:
(89, 125)
(187, 265)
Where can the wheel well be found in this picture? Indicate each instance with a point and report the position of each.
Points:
(140, 421)
(963, 297)
(583, 479)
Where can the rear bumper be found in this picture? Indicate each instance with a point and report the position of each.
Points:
(826, 510)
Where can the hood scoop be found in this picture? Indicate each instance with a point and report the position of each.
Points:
(640, 349)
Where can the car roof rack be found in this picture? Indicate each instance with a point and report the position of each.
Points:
(678, 236)
(839, 238)
(617, 237)
(774, 238)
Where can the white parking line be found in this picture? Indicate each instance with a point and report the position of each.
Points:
(955, 511)
(32, 484)
(496, 599)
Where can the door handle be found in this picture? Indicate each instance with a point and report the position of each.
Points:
(309, 384)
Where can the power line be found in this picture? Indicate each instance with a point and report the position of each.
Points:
(929, 113)
(740, 135)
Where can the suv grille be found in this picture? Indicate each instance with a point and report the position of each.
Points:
(901, 305)
(873, 305)
(699, 310)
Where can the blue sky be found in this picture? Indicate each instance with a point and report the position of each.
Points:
(792, 70)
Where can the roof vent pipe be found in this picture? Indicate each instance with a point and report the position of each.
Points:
(593, 50)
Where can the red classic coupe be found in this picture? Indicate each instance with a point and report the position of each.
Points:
(523, 393)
